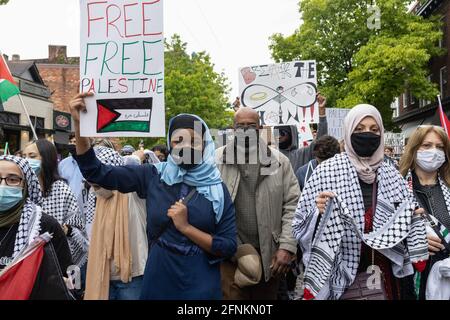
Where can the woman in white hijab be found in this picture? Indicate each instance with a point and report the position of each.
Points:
(355, 219)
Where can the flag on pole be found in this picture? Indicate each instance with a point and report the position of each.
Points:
(444, 119)
(8, 86)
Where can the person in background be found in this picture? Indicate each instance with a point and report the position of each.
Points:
(348, 197)
(388, 151)
(425, 164)
(127, 150)
(265, 193)
(288, 138)
(388, 156)
(161, 152)
(325, 148)
(150, 157)
(18, 154)
(21, 221)
(190, 216)
(119, 219)
(69, 171)
(58, 199)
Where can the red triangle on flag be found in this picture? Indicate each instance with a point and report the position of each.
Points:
(105, 116)
(4, 71)
(17, 283)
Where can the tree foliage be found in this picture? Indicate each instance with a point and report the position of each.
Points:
(358, 63)
(192, 86)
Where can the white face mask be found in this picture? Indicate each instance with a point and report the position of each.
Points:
(430, 160)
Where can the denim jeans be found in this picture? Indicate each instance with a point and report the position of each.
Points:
(125, 291)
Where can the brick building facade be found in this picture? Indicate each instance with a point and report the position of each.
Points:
(410, 111)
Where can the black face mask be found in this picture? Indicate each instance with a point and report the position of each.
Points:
(247, 135)
(196, 155)
(71, 148)
(365, 143)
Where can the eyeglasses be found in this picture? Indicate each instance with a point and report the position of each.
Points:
(12, 181)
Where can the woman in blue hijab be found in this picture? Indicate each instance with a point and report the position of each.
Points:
(188, 238)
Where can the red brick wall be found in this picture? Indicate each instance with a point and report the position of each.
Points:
(63, 82)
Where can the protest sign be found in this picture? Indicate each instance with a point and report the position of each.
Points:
(283, 93)
(122, 63)
(396, 141)
(335, 119)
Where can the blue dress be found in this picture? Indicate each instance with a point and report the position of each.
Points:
(177, 269)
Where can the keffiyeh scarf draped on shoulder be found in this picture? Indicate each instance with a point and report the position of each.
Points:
(62, 205)
(332, 257)
(30, 220)
(446, 192)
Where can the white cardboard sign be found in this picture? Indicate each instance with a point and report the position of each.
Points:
(122, 63)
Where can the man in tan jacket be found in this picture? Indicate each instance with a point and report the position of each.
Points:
(265, 193)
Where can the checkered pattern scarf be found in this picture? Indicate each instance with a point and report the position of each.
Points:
(30, 220)
(109, 157)
(62, 205)
(446, 192)
(336, 248)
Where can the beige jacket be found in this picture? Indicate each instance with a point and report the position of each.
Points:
(276, 200)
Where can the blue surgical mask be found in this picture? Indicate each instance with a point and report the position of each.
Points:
(9, 197)
(35, 165)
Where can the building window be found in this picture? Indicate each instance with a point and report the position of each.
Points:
(443, 79)
(9, 118)
(395, 106)
(38, 123)
(411, 99)
(405, 100)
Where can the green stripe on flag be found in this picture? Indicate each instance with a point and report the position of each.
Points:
(122, 126)
(7, 90)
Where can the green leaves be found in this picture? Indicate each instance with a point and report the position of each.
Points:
(192, 86)
(358, 64)
(3, 2)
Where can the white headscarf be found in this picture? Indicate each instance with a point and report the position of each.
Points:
(365, 167)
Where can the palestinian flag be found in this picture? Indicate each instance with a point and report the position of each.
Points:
(8, 87)
(444, 119)
(17, 279)
(124, 115)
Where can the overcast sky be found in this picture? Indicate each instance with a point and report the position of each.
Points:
(234, 32)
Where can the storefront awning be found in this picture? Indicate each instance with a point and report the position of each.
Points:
(408, 128)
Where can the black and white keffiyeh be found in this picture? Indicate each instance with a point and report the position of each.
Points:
(109, 157)
(332, 255)
(445, 191)
(30, 220)
(62, 205)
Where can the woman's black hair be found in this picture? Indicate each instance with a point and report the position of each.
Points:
(161, 148)
(49, 165)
